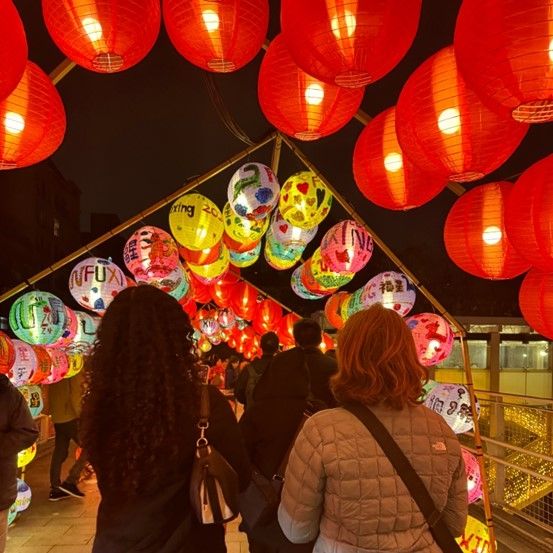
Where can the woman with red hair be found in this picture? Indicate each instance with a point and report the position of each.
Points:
(340, 487)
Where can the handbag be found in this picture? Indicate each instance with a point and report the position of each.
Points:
(213, 483)
(410, 478)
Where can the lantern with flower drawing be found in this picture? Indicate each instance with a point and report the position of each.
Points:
(69, 329)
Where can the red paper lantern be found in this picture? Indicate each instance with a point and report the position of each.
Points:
(44, 365)
(243, 300)
(201, 257)
(13, 48)
(327, 342)
(199, 291)
(267, 316)
(105, 36)
(475, 236)
(384, 175)
(189, 307)
(535, 299)
(221, 290)
(298, 104)
(217, 35)
(286, 329)
(333, 309)
(7, 353)
(443, 127)
(32, 120)
(505, 51)
(529, 214)
(352, 42)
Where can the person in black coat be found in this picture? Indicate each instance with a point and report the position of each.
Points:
(17, 432)
(139, 428)
(297, 380)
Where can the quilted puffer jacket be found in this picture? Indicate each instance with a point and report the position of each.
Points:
(341, 487)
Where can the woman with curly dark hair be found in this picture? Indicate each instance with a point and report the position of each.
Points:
(139, 428)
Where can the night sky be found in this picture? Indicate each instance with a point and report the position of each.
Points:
(136, 136)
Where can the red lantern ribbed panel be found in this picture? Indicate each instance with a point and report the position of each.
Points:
(267, 316)
(243, 300)
(349, 42)
(217, 35)
(32, 120)
(221, 290)
(105, 36)
(529, 214)
(475, 236)
(384, 175)
(505, 51)
(13, 48)
(298, 104)
(286, 329)
(445, 129)
(535, 299)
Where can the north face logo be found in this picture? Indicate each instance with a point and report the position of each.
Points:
(439, 447)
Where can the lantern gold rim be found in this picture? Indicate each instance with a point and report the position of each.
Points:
(108, 62)
(353, 79)
(467, 176)
(535, 111)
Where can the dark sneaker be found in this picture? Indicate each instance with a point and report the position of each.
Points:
(71, 489)
(56, 494)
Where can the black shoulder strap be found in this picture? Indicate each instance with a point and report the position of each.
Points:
(203, 420)
(410, 478)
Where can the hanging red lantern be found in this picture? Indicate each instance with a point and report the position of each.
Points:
(217, 35)
(13, 48)
(333, 309)
(105, 36)
(352, 42)
(475, 236)
(7, 353)
(243, 300)
(505, 51)
(221, 290)
(199, 291)
(189, 307)
(443, 127)
(44, 367)
(201, 257)
(298, 104)
(286, 329)
(529, 214)
(32, 120)
(535, 300)
(327, 343)
(267, 316)
(384, 175)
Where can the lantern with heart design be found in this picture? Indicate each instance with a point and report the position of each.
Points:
(433, 337)
(346, 247)
(391, 289)
(288, 235)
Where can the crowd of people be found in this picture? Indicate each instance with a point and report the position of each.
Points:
(139, 432)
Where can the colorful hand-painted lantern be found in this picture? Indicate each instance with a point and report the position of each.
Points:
(7, 353)
(504, 50)
(333, 308)
(391, 289)
(245, 259)
(326, 276)
(37, 317)
(535, 300)
(317, 281)
(32, 120)
(241, 230)
(427, 387)
(281, 257)
(433, 337)
(286, 329)
(384, 175)
(24, 364)
(86, 333)
(243, 300)
(221, 289)
(475, 538)
(452, 402)
(210, 273)
(226, 318)
(196, 222)
(475, 236)
(26, 456)
(351, 43)
(529, 214)
(105, 36)
(176, 283)
(253, 191)
(76, 364)
(24, 495)
(150, 253)
(209, 324)
(94, 282)
(355, 303)
(298, 287)
(204, 344)
(33, 398)
(443, 127)
(346, 247)
(299, 104)
(288, 235)
(201, 257)
(43, 365)
(13, 48)
(69, 329)
(304, 200)
(12, 513)
(217, 35)
(267, 316)
(474, 479)
(60, 366)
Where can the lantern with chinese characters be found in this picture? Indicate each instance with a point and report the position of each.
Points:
(504, 49)
(23, 496)
(33, 397)
(196, 222)
(475, 538)
(535, 299)
(37, 317)
(391, 289)
(7, 353)
(245, 259)
(243, 300)
(226, 318)
(433, 337)
(210, 273)
(351, 43)
(25, 456)
(299, 104)
(529, 214)
(298, 287)
(60, 366)
(267, 316)
(304, 200)
(75, 364)
(443, 127)
(176, 283)
(333, 309)
(253, 191)
(201, 257)
(86, 333)
(346, 247)
(452, 402)
(286, 329)
(327, 277)
(474, 479)
(43, 365)
(33, 120)
(384, 175)
(105, 36)
(221, 289)
(69, 329)
(199, 291)
(94, 282)
(475, 237)
(288, 235)
(13, 48)
(150, 252)
(217, 35)
(241, 230)
(24, 364)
